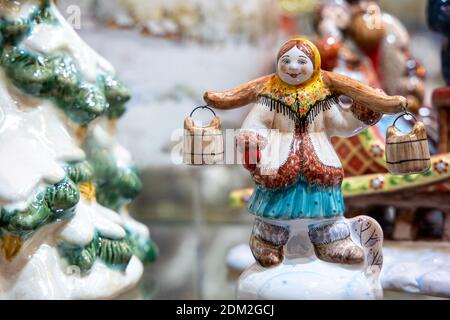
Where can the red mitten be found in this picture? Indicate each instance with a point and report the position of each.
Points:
(251, 157)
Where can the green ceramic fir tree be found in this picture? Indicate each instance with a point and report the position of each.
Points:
(65, 182)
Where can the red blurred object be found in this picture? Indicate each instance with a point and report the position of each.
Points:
(329, 50)
(288, 24)
(251, 157)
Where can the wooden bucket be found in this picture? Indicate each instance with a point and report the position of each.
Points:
(202, 145)
(409, 153)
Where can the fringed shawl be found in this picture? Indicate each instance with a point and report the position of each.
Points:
(300, 103)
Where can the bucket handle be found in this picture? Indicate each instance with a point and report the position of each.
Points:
(203, 107)
(405, 113)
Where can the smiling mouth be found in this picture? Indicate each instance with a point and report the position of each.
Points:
(294, 75)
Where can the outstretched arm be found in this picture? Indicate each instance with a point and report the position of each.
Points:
(363, 94)
(237, 97)
(347, 122)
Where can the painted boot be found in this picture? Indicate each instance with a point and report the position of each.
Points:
(267, 243)
(333, 243)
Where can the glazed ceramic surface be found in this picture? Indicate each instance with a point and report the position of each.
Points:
(303, 246)
(303, 276)
(379, 38)
(65, 232)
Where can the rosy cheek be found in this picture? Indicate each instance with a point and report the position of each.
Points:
(304, 70)
(283, 68)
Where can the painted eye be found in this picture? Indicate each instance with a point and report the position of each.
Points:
(285, 61)
(302, 61)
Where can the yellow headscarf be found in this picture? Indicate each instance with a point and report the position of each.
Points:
(297, 101)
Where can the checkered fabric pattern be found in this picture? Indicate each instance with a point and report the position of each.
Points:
(356, 160)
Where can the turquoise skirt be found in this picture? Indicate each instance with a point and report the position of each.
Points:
(300, 200)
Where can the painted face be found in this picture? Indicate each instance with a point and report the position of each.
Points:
(294, 67)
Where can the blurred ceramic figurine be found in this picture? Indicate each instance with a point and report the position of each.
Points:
(439, 21)
(303, 245)
(378, 37)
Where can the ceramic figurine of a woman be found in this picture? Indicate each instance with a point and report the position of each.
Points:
(303, 245)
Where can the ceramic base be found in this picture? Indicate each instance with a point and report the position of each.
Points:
(413, 267)
(305, 279)
(302, 275)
